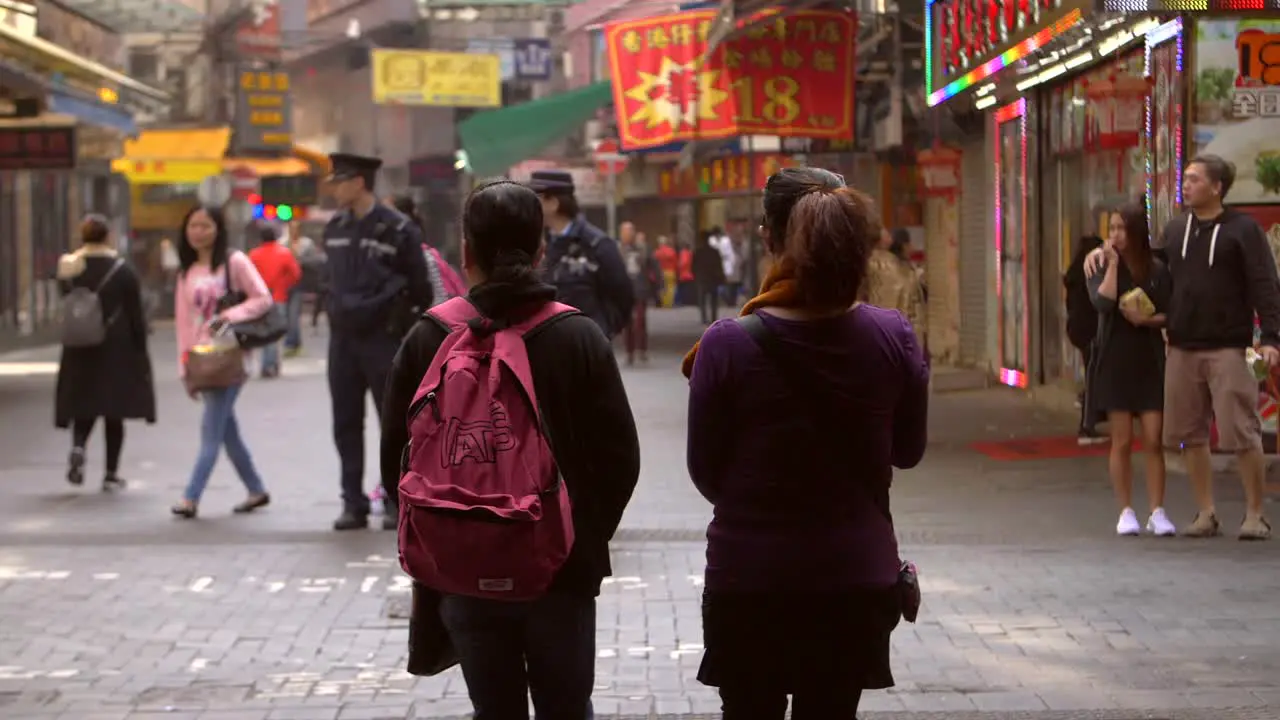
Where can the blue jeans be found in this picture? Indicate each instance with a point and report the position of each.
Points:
(218, 428)
(511, 650)
(293, 338)
(271, 357)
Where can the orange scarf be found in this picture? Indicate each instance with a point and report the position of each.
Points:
(779, 289)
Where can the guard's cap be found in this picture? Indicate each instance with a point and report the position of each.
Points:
(347, 166)
(557, 182)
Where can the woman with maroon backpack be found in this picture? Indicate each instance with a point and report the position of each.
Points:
(496, 554)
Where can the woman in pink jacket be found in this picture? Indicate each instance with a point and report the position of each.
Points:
(205, 264)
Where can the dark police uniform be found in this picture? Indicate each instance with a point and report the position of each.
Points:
(378, 283)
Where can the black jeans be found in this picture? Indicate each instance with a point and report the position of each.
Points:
(509, 651)
(358, 367)
(81, 428)
(709, 303)
(762, 703)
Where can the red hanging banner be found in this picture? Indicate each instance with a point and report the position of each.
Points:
(788, 75)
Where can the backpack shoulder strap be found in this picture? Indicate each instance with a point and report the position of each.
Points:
(454, 313)
(550, 314)
(119, 263)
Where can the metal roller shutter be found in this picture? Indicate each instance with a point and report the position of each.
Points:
(975, 239)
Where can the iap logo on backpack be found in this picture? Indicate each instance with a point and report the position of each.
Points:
(484, 511)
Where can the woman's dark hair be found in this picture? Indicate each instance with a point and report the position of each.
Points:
(829, 232)
(782, 191)
(502, 225)
(94, 229)
(901, 239)
(1137, 236)
(267, 234)
(405, 205)
(187, 255)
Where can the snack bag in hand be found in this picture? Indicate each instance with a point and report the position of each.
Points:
(1137, 300)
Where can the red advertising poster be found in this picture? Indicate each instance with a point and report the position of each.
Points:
(789, 75)
(720, 176)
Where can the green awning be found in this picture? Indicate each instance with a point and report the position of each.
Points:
(495, 140)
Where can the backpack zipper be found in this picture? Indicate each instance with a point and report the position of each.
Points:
(428, 399)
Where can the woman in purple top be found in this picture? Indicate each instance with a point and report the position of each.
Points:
(793, 433)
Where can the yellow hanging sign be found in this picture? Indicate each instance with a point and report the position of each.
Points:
(438, 79)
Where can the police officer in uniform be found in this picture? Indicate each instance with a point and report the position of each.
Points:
(378, 285)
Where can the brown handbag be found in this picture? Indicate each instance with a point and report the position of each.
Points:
(216, 368)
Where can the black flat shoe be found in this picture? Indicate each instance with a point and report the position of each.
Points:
(184, 510)
(252, 503)
(349, 520)
(75, 466)
(112, 483)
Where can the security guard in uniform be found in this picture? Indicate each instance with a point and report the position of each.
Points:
(378, 286)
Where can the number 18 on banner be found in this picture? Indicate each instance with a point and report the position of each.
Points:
(789, 75)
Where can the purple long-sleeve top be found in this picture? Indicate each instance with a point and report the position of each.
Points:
(797, 470)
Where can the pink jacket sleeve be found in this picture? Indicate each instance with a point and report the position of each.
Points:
(245, 278)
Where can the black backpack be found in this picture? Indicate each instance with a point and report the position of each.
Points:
(1082, 316)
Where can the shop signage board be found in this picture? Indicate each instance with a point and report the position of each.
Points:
(436, 173)
(787, 75)
(940, 171)
(258, 34)
(437, 79)
(722, 176)
(37, 148)
(1236, 105)
(264, 112)
(967, 41)
(294, 190)
(532, 58)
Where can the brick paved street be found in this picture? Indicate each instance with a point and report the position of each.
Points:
(110, 608)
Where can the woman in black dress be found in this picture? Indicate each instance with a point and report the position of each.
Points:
(1128, 374)
(111, 380)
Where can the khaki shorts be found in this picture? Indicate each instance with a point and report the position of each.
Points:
(1203, 385)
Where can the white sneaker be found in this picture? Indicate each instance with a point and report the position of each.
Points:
(1128, 524)
(1158, 524)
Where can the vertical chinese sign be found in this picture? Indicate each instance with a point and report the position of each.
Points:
(264, 118)
(790, 75)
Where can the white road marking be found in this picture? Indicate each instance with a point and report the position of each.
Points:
(201, 584)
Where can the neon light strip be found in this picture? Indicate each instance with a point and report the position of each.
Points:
(1156, 37)
(992, 66)
(1016, 110)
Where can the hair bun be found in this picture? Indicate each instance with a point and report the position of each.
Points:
(512, 257)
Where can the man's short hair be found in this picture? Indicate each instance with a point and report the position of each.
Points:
(1218, 170)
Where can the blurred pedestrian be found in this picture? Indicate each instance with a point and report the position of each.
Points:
(801, 594)
(582, 261)
(212, 275)
(108, 376)
(686, 289)
(669, 263)
(511, 650)
(302, 248)
(280, 271)
(708, 276)
(646, 279)
(1082, 328)
(445, 281)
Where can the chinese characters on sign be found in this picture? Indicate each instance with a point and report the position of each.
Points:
(439, 79)
(789, 75)
(968, 32)
(263, 111)
(1257, 86)
(733, 174)
(37, 148)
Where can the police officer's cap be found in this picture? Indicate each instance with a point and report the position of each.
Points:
(551, 182)
(347, 166)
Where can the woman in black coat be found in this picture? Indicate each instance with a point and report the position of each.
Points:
(111, 380)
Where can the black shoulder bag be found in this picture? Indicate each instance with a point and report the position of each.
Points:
(908, 585)
(260, 331)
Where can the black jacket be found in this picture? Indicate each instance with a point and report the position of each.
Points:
(604, 294)
(708, 266)
(112, 380)
(586, 410)
(376, 271)
(1223, 272)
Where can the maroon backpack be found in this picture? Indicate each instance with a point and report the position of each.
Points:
(483, 510)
